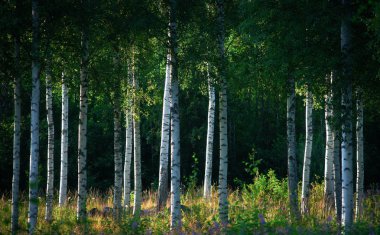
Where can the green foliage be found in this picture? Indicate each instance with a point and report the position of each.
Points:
(251, 166)
(260, 207)
(191, 181)
(266, 41)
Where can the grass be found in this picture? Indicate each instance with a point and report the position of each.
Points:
(257, 208)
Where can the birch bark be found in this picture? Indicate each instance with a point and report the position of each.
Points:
(336, 165)
(82, 133)
(16, 137)
(223, 137)
(292, 160)
(128, 142)
(337, 178)
(128, 159)
(118, 161)
(50, 152)
(347, 174)
(35, 124)
(359, 155)
(329, 150)
(64, 142)
(137, 148)
(164, 147)
(210, 136)
(175, 203)
(307, 155)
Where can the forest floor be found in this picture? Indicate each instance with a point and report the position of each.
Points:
(257, 208)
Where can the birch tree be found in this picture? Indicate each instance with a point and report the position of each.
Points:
(136, 147)
(291, 136)
(82, 129)
(308, 148)
(64, 142)
(128, 159)
(50, 147)
(16, 136)
(336, 154)
(359, 155)
(347, 175)
(118, 161)
(175, 164)
(210, 135)
(337, 178)
(34, 120)
(128, 143)
(329, 148)
(164, 146)
(223, 138)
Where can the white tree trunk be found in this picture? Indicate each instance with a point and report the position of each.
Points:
(175, 201)
(50, 148)
(164, 148)
(337, 178)
(128, 158)
(64, 142)
(329, 148)
(292, 160)
(210, 136)
(347, 174)
(307, 155)
(223, 133)
(82, 132)
(137, 167)
(118, 160)
(118, 185)
(359, 155)
(336, 156)
(16, 138)
(34, 126)
(137, 149)
(128, 141)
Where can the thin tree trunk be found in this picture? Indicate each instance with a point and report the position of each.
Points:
(359, 155)
(82, 133)
(50, 152)
(175, 202)
(210, 136)
(347, 174)
(16, 138)
(223, 136)
(292, 160)
(337, 178)
(128, 143)
(307, 156)
(137, 148)
(329, 150)
(336, 155)
(128, 159)
(35, 124)
(164, 148)
(118, 184)
(64, 142)
(118, 160)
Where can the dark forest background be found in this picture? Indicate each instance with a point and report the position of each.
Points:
(260, 42)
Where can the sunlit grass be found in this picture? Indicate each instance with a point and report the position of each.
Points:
(258, 208)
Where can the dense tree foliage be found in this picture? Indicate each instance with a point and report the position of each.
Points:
(266, 44)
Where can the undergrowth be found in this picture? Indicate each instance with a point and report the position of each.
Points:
(257, 208)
